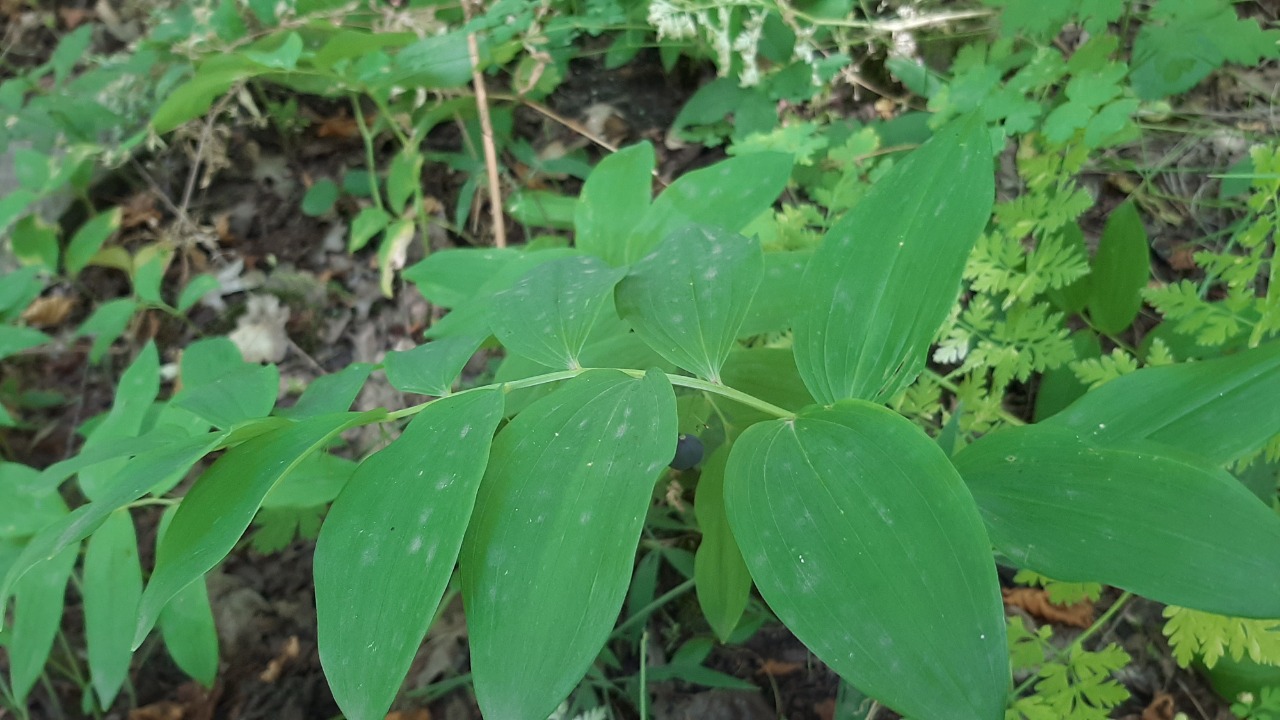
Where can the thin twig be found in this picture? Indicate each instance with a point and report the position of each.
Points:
(486, 130)
(205, 134)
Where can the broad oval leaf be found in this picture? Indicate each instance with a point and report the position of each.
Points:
(547, 560)
(865, 542)
(1121, 269)
(886, 275)
(1163, 527)
(430, 368)
(1217, 409)
(111, 588)
(246, 392)
(389, 545)
(614, 199)
(779, 299)
(332, 393)
(721, 577)
(726, 195)
(219, 507)
(548, 314)
(688, 297)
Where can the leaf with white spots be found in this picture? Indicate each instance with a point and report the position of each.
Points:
(688, 297)
(728, 195)
(548, 314)
(864, 540)
(548, 557)
(1139, 517)
(886, 275)
(218, 509)
(389, 545)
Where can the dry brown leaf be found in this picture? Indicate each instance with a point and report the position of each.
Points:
(674, 492)
(778, 668)
(163, 710)
(418, 714)
(1036, 602)
(339, 126)
(48, 311)
(825, 710)
(139, 210)
(1183, 258)
(290, 652)
(1162, 707)
(73, 18)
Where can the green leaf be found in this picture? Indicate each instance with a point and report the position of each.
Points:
(438, 61)
(887, 274)
(14, 340)
(548, 557)
(71, 49)
(194, 97)
(721, 577)
(29, 505)
(402, 177)
(767, 373)
(543, 209)
(186, 624)
(1218, 410)
(320, 197)
(14, 204)
(368, 223)
(779, 299)
(863, 539)
(37, 615)
(222, 503)
(197, 288)
(246, 392)
(389, 544)
(89, 239)
(614, 199)
(391, 252)
(135, 395)
(331, 393)
(31, 168)
(315, 483)
(1163, 527)
(35, 243)
(283, 57)
(547, 315)
(111, 588)
(1121, 269)
(430, 368)
(727, 195)
(107, 323)
(156, 466)
(17, 290)
(688, 298)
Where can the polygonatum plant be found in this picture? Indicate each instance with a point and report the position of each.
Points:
(867, 539)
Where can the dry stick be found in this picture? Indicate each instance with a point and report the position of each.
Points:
(205, 134)
(486, 130)
(573, 125)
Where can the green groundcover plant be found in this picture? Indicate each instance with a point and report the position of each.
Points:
(871, 541)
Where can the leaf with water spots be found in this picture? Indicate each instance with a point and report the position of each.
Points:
(886, 275)
(389, 545)
(1138, 518)
(863, 539)
(688, 297)
(547, 560)
(548, 314)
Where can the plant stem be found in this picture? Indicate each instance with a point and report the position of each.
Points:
(680, 380)
(640, 615)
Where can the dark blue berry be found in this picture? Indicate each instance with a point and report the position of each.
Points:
(688, 452)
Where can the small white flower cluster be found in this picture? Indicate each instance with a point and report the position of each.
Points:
(687, 20)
